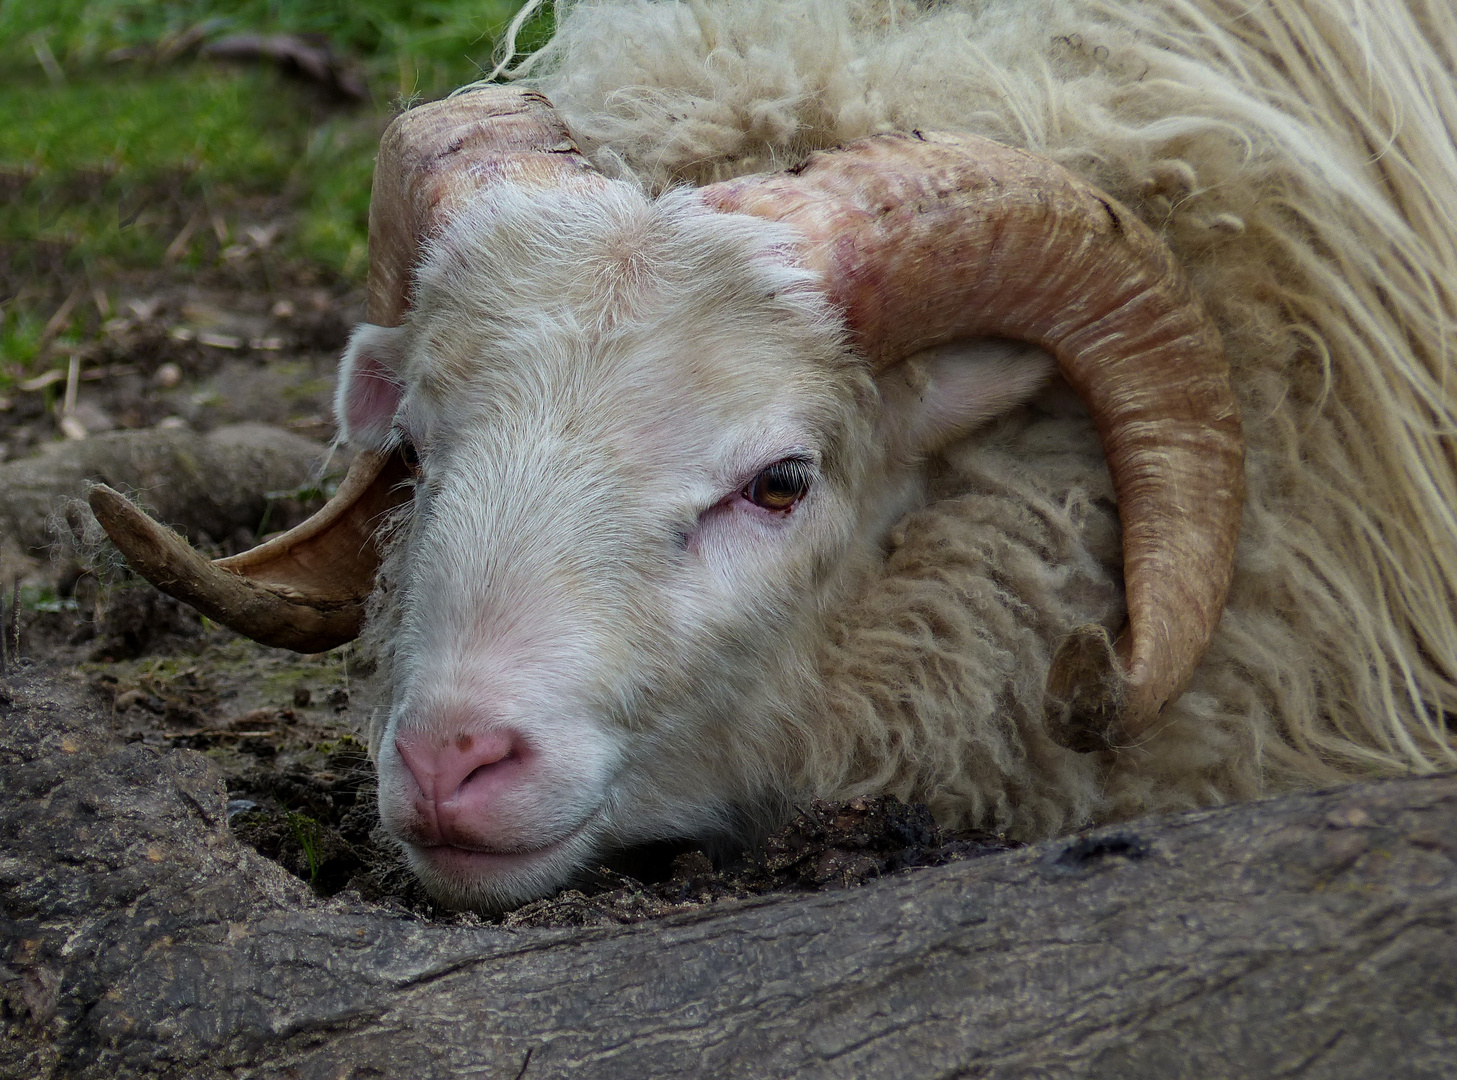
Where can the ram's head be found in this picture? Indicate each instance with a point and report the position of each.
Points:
(645, 447)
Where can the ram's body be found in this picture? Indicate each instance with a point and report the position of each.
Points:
(575, 355)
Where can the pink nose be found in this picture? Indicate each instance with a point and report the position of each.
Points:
(458, 779)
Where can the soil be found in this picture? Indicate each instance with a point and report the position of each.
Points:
(199, 351)
(255, 339)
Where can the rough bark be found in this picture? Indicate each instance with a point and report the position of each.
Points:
(1311, 935)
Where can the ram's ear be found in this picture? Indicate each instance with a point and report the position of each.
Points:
(935, 397)
(371, 384)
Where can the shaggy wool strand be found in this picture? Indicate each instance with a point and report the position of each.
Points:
(1297, 156)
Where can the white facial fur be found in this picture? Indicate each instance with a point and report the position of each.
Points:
(590, 383)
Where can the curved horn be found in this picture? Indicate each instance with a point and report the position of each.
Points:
(303, 590)
(432, 159)
(923, 239)
(306, 589)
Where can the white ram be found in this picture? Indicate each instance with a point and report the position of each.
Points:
(706, 514)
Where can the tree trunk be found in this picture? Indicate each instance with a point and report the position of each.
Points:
(1311, 935)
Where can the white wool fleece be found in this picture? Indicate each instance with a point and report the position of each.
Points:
(1296, 155)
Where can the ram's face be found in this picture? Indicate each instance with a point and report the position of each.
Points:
(647, 463)
(639, 451)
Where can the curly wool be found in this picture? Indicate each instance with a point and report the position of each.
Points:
(1297, 157)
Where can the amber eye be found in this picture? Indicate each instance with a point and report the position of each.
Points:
(779, 486)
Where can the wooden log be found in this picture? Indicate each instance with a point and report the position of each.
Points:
(1311, 935)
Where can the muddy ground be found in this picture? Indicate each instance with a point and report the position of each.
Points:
(257, 340)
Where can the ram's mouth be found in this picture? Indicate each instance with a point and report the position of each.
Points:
(464, 865)
(463, 862)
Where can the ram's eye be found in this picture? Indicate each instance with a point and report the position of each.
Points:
(779, 486)
(411, 456)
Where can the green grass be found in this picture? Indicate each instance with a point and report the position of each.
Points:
(103, 161)
(306, 831)
(98, 152)
(428, 47)
(20, 338)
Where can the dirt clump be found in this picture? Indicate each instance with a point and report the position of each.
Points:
(138, 622)
(825, 846)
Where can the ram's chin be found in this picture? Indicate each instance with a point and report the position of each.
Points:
(493, 881)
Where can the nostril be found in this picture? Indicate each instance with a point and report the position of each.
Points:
(448, 767)
(481, 771)
(488, 767)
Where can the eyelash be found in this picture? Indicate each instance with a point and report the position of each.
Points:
(780, 487)
(408, 451)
